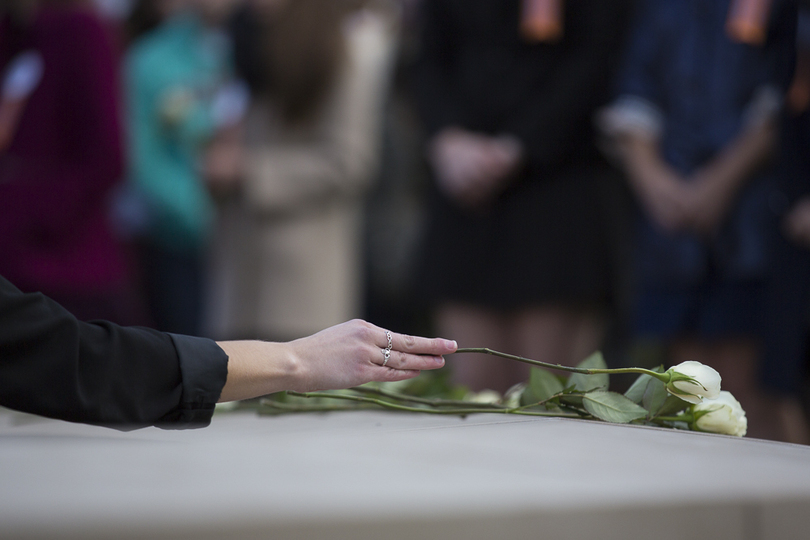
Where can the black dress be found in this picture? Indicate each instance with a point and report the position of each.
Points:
(554, 234)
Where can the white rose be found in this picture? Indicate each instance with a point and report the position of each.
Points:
(511, 398)
(723, 414)
(484, 396)
(692, 381)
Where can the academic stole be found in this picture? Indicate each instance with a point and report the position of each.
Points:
(747, 21)
(542, 20)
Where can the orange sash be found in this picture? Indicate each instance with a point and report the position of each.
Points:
(542, 20)
(747, 21)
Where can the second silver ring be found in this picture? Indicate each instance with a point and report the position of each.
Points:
(386, 356)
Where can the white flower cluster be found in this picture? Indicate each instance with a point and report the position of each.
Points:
(713, 410)
(723, 414)
(692, 381)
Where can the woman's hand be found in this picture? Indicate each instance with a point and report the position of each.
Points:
(223, 161)
(714, 188)
(662, 192)
(342, 356)
(797, 222)
(473, 168)
(665, 197)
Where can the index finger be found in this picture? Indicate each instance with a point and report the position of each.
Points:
(422, 345)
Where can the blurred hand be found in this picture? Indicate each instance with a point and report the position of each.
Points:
(708, 203)
(223, 161)
(661, 191)
(797, 222)
(666, 198)
(351, 353)
(700, 203)
(472, 168)
(714, 188)
(342, 356)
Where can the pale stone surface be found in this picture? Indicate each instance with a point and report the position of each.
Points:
(382, 475)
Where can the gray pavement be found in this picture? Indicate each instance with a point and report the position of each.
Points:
(361, 475)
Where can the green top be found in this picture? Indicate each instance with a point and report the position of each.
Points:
(172, 74)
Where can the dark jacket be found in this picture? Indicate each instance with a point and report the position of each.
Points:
(54, 365)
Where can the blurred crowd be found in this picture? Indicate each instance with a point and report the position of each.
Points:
(540, 177)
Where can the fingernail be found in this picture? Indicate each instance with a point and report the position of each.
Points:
(451, 344)
(440, 360)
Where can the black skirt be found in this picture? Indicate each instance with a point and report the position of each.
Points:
(560, 240)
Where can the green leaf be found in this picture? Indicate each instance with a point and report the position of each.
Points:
(542, 385)
(571, 397)
(612, 407)
(636, 391)
(673, 405)
(572, 400)
(654, 396)
(513, 395)
(585, 383)
(430, 384)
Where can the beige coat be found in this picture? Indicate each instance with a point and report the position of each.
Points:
(289, 255)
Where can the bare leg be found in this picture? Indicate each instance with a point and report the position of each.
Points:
(590, 335)
(556, 334)
(792, 420)
(473, 326)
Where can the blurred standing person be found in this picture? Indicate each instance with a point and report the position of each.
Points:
(695, 118)
(783, 373)
(290, 260)
(60, 157)
(394, 213)
(521, 251)
(180, 99)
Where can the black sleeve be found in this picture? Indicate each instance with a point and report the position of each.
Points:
(53, 365)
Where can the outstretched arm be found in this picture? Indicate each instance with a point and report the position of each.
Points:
(342, 356)
(53, 365)
(660, 190)
(716, 185)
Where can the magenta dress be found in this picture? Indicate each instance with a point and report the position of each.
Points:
(65, 158)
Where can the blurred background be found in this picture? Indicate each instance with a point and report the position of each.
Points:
(542, 177)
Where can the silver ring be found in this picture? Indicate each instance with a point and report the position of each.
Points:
(386, 355)
(390, 340)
